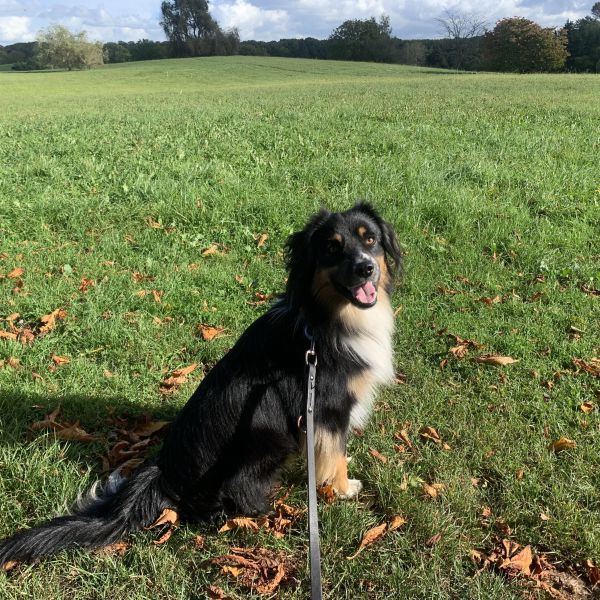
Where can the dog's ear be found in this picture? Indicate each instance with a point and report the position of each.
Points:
(300, 257)
(391, 246)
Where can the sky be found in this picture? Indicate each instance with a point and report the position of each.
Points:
(113, 20)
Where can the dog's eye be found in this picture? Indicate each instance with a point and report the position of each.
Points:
(370, 240)
(333, 246)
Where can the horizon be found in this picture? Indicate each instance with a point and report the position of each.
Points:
(267, 20)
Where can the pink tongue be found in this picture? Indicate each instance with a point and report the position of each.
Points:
(365, 293)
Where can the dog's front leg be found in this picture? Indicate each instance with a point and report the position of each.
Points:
(332, 465)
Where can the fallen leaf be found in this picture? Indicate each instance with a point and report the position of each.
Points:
(592, 367)
(592, 572)
(262, 238)
(199, 542)
(520, 474)
(7, 335)
(74, 433)
(167, 517)
(586, 407)
(216, 249)
(270, 586)
(12, 317)
(370, 537)
(178, 377)
(488, 301)
(563, 443)
(403, 436)
(396, 522)
(86, 284)
(235, 571)
(433, 490)
(118, 549)
(16, 273)
(60, 360)
(326, 492)
(165, 536)
(429, 433)
(400, 379)
(210, 332)
(152, 223)
(216, 593)
(433, 540)
(378, 455)
(494, 359)
(520, 562)
(150, 428)
(157, 296)
(544, 517)
(48, 322)
(239, 523)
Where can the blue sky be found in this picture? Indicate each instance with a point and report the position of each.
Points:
(112, 20)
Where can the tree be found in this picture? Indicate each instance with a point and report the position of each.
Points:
(193, 32)
(519, 45)
(462, 29)
(584, 43)
(58, 48)
(364, 39)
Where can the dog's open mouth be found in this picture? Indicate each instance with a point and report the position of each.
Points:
(364, 294)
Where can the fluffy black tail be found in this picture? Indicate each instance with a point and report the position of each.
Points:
(124, 506)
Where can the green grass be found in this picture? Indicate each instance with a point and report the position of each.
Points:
(492, 178)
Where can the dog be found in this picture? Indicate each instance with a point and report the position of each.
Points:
(228, 445)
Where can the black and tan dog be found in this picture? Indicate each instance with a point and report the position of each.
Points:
(228, 444)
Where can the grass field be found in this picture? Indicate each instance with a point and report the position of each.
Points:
(493, 185)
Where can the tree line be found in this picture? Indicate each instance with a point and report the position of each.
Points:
(514, 44)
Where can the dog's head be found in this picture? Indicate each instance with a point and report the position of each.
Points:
(342, 258)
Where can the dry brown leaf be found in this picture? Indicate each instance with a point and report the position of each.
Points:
(327, 492)
(520, 562)
(74, 433)
(48, 322)
(210, 332)
(152, 223)
(8, 335)
(116, 549)
(488, 301)
(86, 284)
(378, 455)
(592, 366)
(495, 359)
(433, 540)
(270, 586)
(235, 571)
(16, 273)
(592, 572)
(396, 522)
(239, 523)
(216, 249)
(586, 407)
(60, 360)
(199, 542)
(216, 593)
(167, 517)
(165, 536)
(400, 379)
(431, 434)
(563, 443)
(433, 490)
(149, 428)
(370, 537)
(403, 436)
(262, 238)
(157, 296)
(12, 317)
(520, 474)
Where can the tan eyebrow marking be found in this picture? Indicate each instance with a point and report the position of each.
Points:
(337, 237)
(362, 230)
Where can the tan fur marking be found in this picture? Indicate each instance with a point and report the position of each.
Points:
(360, 385)
(324, 292)
(337, 237)
(340, 479)
(384, 278)
(361, 231)
(328, 457)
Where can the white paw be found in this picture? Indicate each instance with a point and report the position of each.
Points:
(354, 488)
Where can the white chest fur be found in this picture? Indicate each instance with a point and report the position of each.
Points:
(369, 337)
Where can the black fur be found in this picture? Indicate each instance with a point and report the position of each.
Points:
(229, 442)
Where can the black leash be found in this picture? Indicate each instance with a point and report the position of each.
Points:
(313, 516)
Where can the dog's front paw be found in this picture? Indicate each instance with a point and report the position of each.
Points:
(352, 491)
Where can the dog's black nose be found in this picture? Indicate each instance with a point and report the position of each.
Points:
(364, 269)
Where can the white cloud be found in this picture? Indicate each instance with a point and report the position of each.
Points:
(15, 29)
(252, 21)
